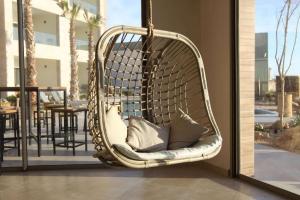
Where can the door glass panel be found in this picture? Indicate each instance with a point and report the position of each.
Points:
(55, 123)
(269, 92)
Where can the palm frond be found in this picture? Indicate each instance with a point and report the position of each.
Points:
(94, 20)
(86, 15)
(98, 19)
(75, 10)
(64, 5)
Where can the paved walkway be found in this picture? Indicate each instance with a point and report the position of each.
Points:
(277, 167)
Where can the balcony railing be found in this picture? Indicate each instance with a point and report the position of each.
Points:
(15, 32)
(40, 37)
(92, 8)
(82, 44)
(46, 38)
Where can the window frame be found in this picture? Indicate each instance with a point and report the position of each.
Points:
(25, 157)
(235, 137)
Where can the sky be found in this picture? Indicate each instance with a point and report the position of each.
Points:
(123, 12)
(267, 12)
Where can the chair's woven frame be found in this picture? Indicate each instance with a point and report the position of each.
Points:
(151, 79)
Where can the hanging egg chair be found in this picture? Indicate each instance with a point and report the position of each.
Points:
(151, 74)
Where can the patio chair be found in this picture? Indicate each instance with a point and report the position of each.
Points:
(12, 116)
(44, 99)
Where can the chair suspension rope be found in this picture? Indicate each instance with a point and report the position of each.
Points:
(150, 19)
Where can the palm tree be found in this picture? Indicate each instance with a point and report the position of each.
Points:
(71, 12)
(93, 22)
(31, 71)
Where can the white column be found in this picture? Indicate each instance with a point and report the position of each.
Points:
(102, 8)
(6, 37)
(65, 58)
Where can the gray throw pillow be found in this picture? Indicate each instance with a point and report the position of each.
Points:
(145, 136)
(184, 131)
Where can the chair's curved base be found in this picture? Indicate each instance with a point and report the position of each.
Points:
(105, 162)
(125, 161)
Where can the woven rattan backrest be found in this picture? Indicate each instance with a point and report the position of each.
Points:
(148, 77)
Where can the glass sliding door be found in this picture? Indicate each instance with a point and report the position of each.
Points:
(269, 92)
(10, 134)
(57, 132)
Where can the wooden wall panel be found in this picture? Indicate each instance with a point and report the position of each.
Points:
(247, 72)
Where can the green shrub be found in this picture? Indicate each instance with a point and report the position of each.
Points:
(83, 96)
(270, 94)
(259, 127)
(128, 93)
(12, 99)
(295, 122)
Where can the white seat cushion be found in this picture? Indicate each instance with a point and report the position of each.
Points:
(145, 136)
(203, 147)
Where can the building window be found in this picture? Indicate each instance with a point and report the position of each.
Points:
(17, 77)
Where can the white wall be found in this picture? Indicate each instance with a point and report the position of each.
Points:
(65, 61)
(81, 30)
(45, 22)
(48, 73)
(83, 73)
(6, 40)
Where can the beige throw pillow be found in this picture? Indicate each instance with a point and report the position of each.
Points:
(145, 136)
(116, 128)
(184, 131)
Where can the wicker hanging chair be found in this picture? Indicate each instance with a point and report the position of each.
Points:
(149, 73)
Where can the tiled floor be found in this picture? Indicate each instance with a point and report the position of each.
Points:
(180, 182)
(184, 182)
(63, 156)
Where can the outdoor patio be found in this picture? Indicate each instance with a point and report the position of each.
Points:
(63, 156)
(277, 167)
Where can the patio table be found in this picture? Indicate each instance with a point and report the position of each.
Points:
(37, 91)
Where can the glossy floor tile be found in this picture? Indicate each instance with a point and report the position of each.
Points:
(174, 182)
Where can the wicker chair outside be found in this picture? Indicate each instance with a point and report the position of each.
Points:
(149, 77)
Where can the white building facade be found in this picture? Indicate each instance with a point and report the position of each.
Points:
(52, 42)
